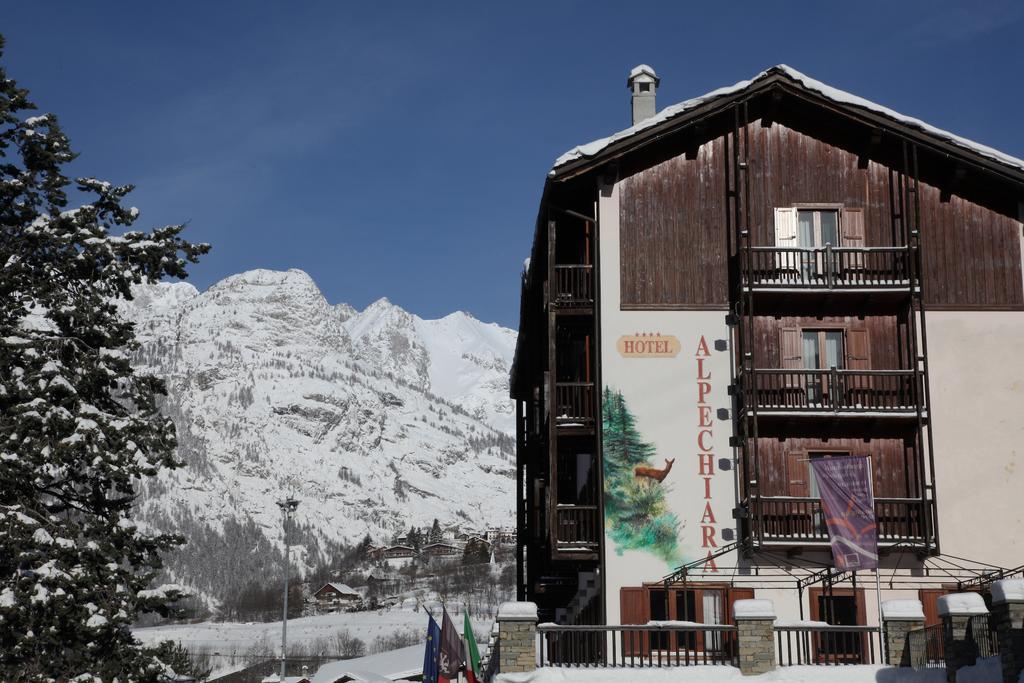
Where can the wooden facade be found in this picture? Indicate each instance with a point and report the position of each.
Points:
(724, 208)
(674, 217)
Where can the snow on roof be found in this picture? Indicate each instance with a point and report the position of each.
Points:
(383, 667)
(517, 610)
(1008, 590)
(962, 604)
(381, 575)
(340, 587)
(754, 609)
(902, 610)
(834, 94)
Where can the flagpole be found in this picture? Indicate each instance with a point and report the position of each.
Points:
(878, 564)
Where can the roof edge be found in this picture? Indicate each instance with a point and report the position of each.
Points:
(580, 158)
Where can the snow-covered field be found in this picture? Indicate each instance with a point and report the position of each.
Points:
(228, 637)
(986, 671)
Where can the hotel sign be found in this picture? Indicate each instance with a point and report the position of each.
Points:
(648, 345)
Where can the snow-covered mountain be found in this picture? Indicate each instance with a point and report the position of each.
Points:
(375, 420)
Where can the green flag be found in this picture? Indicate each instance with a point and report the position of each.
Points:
(472, 653)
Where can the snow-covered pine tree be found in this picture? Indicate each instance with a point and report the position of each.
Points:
(78, 428)
(435, 535)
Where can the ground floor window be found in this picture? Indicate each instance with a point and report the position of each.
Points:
(705, 604)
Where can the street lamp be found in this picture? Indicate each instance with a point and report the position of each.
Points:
(288, 507)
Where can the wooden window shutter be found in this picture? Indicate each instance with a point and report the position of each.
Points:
(785, 236)
(792, 355)
(929, 598)
(797, 482)
(858, 387)
(857, 354)
(632, 606)
(851, 226)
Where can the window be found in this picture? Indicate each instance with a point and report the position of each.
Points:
(817, 227)
(822, 350)
(802, 233)
(707, 605)
(577, 479)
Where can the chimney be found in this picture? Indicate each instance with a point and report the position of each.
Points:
(643, 83)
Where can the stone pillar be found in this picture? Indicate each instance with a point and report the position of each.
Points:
(960, 649)
(755, 637)
(517, 637)
(900, 617)
(1008, 614)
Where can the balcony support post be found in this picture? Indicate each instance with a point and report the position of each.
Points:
(829, 275)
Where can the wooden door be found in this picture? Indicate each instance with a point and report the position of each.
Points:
(845, 648)
(929, 598)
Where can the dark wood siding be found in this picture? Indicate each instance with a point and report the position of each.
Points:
(971, 255)
(891, 460)
(673, 233)
(674, 222)
(872, 343)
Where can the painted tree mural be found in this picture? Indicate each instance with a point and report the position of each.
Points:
(636, 513)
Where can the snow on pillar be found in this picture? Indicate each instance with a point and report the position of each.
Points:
(899, 618)
(961, 613)
(517, 637)
(754, 635)
(643, 83)
(1008, 613)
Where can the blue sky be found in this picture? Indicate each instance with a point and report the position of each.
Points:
(399, 149)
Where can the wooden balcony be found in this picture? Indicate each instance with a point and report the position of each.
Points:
(833, 392)
(786, 520)
(796, 277)
(828, 268)
(573, 287)
(577, 527)
(574, 405)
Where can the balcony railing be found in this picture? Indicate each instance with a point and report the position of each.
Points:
(574, 404)
(574, 285)
(788, 518)
(828, 268)
(832, 390)
(829, 645)
(657, 644)
(577, 525)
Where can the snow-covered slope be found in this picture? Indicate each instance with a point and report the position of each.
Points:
(375, 420)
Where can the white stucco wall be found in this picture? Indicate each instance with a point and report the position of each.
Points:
(977, 389)
(676, 402)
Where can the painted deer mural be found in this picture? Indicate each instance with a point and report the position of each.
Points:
(654, 472)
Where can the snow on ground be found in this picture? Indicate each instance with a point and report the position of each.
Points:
(226, 637)
(393, 665)
(987, 671)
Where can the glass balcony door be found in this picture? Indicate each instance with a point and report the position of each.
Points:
(822, 350)
(816, 229)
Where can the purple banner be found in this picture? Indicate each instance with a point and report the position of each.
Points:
(844, 484)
